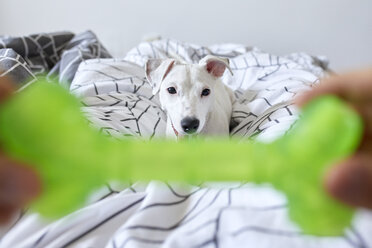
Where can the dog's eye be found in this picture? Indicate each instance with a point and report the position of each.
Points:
(206, 92)
(172, 90)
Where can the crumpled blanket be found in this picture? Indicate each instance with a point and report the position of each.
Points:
(118, 101)
(23, 58)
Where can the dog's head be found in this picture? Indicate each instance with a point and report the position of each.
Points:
(186, 91)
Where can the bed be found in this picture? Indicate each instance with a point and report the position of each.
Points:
(118, 102)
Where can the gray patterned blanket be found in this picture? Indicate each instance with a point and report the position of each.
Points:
(55, 54)
(119, 102)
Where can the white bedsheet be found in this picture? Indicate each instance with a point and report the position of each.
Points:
(119, 102)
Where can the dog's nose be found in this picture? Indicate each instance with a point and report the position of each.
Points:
(189, 125)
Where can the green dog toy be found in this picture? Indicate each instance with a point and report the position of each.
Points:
(43, 126)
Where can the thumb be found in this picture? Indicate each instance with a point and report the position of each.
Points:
(18, 183)
(351, 181)
(6, 88)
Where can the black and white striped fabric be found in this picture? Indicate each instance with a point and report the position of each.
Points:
(56, 54)
(121, 103)
(118, 101)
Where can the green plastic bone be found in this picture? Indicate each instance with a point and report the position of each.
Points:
(43, 126)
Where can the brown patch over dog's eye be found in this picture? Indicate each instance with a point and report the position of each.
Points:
(206, 92)
(172, 90)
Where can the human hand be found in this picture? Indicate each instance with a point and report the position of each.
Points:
(18, 183)
(351, 180)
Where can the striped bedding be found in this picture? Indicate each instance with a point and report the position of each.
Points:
(119, 103)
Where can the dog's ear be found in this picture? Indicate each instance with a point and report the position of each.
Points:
(156, 71)
(215, 66)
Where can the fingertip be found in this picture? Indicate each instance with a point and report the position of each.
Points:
(31, 183)
(327, 86)
(334, 181)
(302, 99)
(19, 184)
(351, 181)
(6, 88)
(6, 213)
(307, 96)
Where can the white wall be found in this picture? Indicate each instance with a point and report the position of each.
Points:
(339, 29)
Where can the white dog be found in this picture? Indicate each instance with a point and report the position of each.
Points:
(193, 96)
